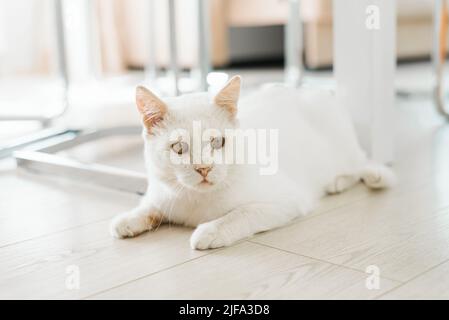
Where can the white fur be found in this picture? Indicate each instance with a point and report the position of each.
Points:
(318, 154)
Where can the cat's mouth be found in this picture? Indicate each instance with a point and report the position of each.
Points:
(206, 182)
(204, 185)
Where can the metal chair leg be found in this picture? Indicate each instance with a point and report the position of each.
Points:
(198, 75)
(43, 160)
(174, 69)
(46, 121)
(293, 45)
(62, 69)
(150, 67)
(203, 43)
(37, 151)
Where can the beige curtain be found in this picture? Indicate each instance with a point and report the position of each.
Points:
(111, 35)
(117, 39)
(26, 38)
(124, 31)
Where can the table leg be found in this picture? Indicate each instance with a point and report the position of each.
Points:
(364, 69)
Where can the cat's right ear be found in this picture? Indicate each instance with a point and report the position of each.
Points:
(150, 106)
(228, 96)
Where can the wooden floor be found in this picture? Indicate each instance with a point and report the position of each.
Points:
(52, 230)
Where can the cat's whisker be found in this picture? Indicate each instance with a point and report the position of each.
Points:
(177, 191)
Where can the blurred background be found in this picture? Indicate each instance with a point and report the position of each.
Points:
(112, 45)
(110, 37)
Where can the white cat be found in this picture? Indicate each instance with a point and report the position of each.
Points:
(317, 150)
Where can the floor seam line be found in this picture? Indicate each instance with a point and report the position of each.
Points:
(52, 233)
(152, 273)
(305, 218)
(413, 278)
(322, 260)
(399, 192)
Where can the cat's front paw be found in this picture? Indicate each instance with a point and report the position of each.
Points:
(127, 226)
(207, 236)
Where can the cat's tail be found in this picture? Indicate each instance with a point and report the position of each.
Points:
(378, 176)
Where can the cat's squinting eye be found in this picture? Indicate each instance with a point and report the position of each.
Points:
(180, 147)
(217, 142)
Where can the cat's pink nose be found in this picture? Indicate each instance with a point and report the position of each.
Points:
(203, 171)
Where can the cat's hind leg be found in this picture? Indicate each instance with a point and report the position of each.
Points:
(342, 182)
(377, 176)
(373, 175)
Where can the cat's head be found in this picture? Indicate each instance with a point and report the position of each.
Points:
(183, 135)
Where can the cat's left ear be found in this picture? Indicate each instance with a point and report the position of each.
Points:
(228, 96)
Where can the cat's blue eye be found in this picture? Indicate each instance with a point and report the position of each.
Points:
(217, 142)
(180, 147)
